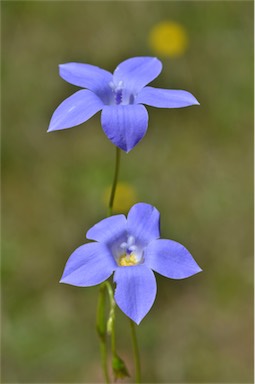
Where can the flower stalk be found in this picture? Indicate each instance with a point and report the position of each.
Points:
(117, 363)
(136, 353)
(115, 181)
(118, 366)
(103, 327)
(102, 330)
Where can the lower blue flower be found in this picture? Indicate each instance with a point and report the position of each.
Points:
(131, 249)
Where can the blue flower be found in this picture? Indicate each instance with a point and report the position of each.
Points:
(120, 97)
(130, 247)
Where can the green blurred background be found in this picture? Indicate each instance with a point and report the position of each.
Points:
(195, 165)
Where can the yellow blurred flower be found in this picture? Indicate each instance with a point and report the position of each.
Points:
(125, 197)
(168, 38)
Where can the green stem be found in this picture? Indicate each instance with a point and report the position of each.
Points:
(136, 353)
(112, 317)
(101, 321)
(110, 209)
(102, 331)
(103, 351)
(115, 181)
(111, 321)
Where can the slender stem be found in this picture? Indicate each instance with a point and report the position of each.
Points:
(115, 181)
(133, 331)
(110, 208)
(103, 351)
(113, 339)
(111, 321)
(101, 330)
(101, 321)
(136, 353)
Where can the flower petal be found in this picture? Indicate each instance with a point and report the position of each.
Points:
(170, 259)
(75, 110)
(137, 72)
(165, 98)
(109, 230)
(125, 125)
(87, 76)
(136, 291)
(143, 223)
(90, 264)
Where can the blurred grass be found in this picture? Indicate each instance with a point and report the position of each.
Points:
(194, 164)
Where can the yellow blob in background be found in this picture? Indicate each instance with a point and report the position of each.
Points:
(168, 38)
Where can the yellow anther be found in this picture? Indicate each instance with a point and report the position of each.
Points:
(127, 260)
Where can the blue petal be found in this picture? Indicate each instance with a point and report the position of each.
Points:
(75, 110)
(90, 264)
(143, 223)
(165, 98)
(170, 259)
(136, 291)
(87, 76)
(125, 125)
(137, 72)
(109, 230)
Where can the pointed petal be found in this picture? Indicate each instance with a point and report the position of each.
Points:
(125, 125)
(90, 264)
(87, 76)
(137, 72)
(165, 98)
(75, 110)
(109, 230)
(136, 291)
(170, 259)
(143, 223)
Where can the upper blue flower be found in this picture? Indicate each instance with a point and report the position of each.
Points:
(120, 97)
(130, 247)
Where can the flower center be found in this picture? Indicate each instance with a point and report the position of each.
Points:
(120, 94)
(130, 253)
